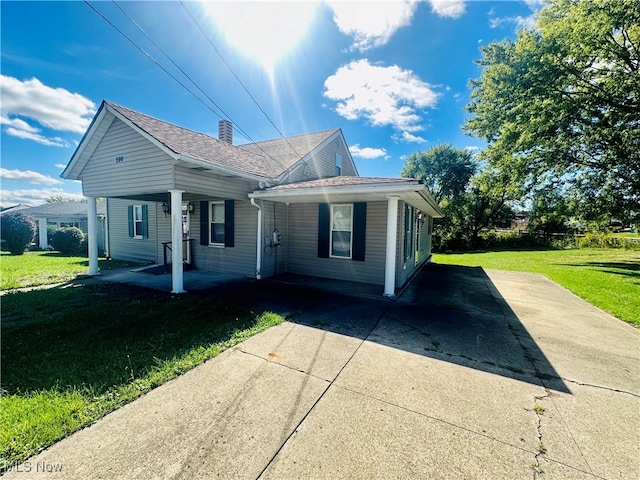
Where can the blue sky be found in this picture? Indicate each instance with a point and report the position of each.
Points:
(393, 75)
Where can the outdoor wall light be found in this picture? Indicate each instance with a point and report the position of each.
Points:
(166, 208)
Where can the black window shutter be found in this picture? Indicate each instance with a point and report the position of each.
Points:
(324, 229)
(359, 231)
(204, 223)
(145, 222)
(229, 222)
(130, 216)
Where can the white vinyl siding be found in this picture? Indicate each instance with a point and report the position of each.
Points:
(274, 258)
(241, 259)
(123, 247)
(323, 163)
(418, 245)
(303, 246)
(143, 167)
(212, 185)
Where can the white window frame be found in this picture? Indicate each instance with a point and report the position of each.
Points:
(137, 222)
(211, 223)
(332, 230)
(338, 165)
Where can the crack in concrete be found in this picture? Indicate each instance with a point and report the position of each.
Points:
(469, 430)
(538, 409)
(602, 387)
(324, 392)
(299, 370)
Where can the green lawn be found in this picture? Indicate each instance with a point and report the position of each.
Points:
(42, 268)
(607, 278)
(71, 354)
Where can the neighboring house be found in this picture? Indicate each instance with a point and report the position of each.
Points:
(14, 208)
(293, 204)
(65, 214)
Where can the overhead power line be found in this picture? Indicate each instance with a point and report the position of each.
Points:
(238, 78)
(150, 57)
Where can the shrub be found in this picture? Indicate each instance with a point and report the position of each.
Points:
(18, 230)
(68, 240)
(605, 240)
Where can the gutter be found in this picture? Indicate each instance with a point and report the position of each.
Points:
(338, 190)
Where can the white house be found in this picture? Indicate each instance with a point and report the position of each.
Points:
(65, 214)
(287, 205)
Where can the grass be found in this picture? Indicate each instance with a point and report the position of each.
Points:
(71, 354)
(607, 278)
(42, 268)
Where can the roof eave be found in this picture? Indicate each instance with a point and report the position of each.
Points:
(432, 202)
(302, 160)
(382, 189)
(406, 191)
(66, 173)
(219, 168)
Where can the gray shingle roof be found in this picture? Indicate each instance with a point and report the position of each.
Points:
(267, 159)
(343, 181)
(285, 152)
(64, 209)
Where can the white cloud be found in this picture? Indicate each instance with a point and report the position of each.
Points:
(34, 196)
(367, 152)
(60, 166)
(384, 96)
(52, 108)
(519, 21)
(473, 149)
(18, 123)
(407, 137)
(534, 4)
(28, 176)
(448, 8)
(36, 137)
(371, 24)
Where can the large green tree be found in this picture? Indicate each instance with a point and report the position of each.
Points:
(471, 199)
(560, 105)
(444, 170)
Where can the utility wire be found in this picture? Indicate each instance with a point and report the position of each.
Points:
(238, 78)
(150, 57)
(146, 54)
(170, 59)
(240, 130)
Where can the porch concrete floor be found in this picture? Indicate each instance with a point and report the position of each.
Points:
(201, 281)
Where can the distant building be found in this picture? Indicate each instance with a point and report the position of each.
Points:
(62, 214)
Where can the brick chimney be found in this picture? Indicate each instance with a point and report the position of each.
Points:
(225, 131)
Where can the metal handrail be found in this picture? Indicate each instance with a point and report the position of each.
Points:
(167, 246)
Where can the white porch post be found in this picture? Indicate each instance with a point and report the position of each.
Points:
(390, 263)
(92, 231)
(42, 233)
(177, 280)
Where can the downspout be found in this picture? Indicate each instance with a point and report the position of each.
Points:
(258, 240)
(107, 249)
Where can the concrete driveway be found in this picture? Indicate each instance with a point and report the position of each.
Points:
(469, 374)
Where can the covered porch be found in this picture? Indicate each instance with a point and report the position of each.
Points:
(175, 243)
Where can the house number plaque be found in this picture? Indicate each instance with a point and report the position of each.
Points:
(120, 159)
